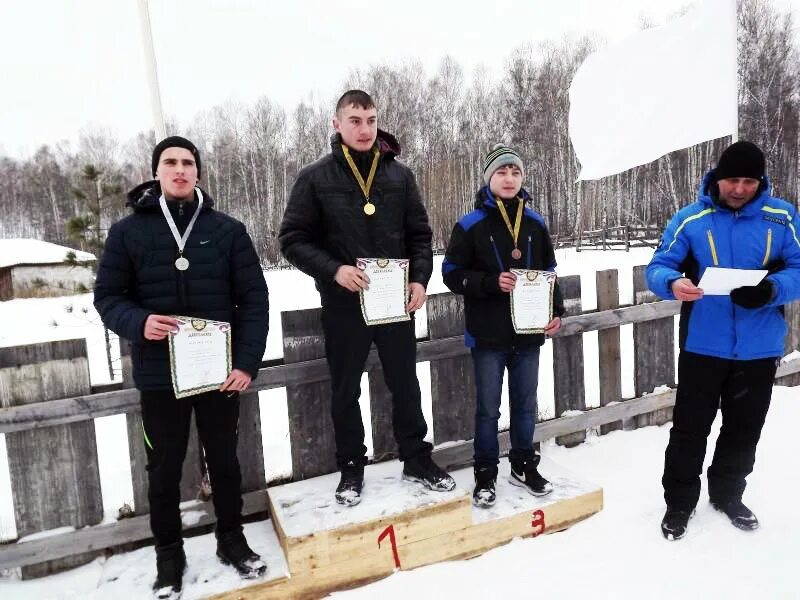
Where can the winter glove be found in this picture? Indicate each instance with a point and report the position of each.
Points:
(754, 296)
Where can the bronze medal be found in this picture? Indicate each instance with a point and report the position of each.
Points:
(516, 254)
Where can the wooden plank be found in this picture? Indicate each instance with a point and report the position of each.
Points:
(452, 379)
(100, 537)
(55, 477)
(653, 350)
(310, 426)
(459, 455)
(568, 380)
(608, 343)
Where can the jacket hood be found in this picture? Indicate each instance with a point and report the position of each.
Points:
(388, 145)
(485, 198)
(707, 194)
(145, 197)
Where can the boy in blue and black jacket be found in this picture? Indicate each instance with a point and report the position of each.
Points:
(501, 234)
(730, 344)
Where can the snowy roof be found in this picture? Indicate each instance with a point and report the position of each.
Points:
(36, 252)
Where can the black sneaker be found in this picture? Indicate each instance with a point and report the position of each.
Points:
(348, 492)
(484, 494)
(525, 474)
(422, 469)
(170, 567)
(674, 523)
(232, 549)
(741, 516)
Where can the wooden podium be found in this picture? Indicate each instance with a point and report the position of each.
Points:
(402, 525)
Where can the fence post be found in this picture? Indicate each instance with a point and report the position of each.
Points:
(191, 475)
(792, 315)
(55, 479)
(452, 379)
(309, 404)
(654, 352)
(384, 446)
(608, 345)
(568, 385)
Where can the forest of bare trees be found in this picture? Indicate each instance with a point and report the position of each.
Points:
(445, 123)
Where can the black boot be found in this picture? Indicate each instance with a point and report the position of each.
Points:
(674, 523)
(525, 474)
(741, 516)
(484, 494)
(348, 492)
(232, 549)
(422, 469)
(170, 567)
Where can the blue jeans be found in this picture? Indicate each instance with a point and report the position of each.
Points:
(523, 379)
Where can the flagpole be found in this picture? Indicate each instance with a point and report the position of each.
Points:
(152, 71)
(735, 135)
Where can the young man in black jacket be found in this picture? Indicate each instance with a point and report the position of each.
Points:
(359, 202)
(177, 255)
(499, 235)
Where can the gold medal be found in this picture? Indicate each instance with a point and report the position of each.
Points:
(369, 207)
(516, 253)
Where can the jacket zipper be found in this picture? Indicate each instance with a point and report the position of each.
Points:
(769, 247)
(528, 259)
(497, 254)
(713, 248)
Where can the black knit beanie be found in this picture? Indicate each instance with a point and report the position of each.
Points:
(741, 159)
(175, 141)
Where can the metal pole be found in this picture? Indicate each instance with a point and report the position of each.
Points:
(152, 71)
(735, 135)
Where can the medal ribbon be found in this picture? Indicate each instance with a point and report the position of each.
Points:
(517, 221)
(365, 186)
(181, 241)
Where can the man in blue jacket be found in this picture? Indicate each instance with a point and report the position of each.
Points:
(177, 255)
(730, 344)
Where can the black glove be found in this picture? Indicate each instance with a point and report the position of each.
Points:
(754, 296)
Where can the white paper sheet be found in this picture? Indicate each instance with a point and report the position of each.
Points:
(718, 281)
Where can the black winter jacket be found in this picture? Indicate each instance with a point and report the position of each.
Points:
(479, 250)
(324, 226)
(137, 277)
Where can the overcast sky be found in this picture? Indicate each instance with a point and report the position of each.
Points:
(66, 65)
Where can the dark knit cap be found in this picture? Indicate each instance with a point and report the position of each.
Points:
(174, 141)
(741, 159)
(500, 156)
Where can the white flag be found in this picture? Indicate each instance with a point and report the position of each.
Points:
(660, 90)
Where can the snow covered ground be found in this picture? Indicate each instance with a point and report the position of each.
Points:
(618, 553)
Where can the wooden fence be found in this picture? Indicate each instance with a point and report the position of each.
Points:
(617, 237)
(48, 407)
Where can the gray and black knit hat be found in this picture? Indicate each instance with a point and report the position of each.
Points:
(499, 156)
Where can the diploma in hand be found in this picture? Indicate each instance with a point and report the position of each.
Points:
(532, 300)
(199, 355)
(385, 300)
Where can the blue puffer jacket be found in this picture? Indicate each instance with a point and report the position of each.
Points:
(758, 236)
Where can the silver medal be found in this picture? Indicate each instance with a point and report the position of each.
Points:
(181, 264)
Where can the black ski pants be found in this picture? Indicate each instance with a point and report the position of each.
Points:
(347, 344)
(166, 421)
(742, 389)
